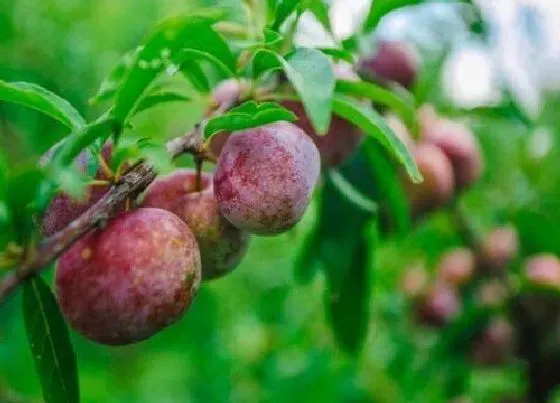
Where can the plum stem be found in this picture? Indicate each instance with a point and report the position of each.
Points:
(198, 161)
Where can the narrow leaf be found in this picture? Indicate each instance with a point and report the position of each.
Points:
(339, 54)
(155, 99)
(312, 76)
(159, 52)
(194, 73)
(283, 11)
(197, 55)
(374, 125)
(380, 8)
(402, 106)
(351, 193)
(36, 97)
(50, 344)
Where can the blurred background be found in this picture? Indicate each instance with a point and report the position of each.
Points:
(256, 335)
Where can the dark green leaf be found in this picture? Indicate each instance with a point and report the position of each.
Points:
(246, 116)
(111, 83)
(402, 106)
(265, 60)
(38, 98)
(194, 73)
(159, 52)
(386, 176)
(50, 344)
(380, 8)
(195, 55)
(283, 10)
(351, 193)
(312, 76)
(320, 10)
(155, 99)
(374, 125)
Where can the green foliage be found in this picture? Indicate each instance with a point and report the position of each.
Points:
(248, 115)
(50, 344)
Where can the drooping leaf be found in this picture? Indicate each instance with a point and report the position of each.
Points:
(248, 115)
(265, 60)
(110, 84)
(283, 10)
(352, 194)
(311, 74)
(50, 344)
(159, 52)
(374, 125)
(198, 55)
(36, 97)
(339, 54)
(402, 106)
(320, 10)
(155, 99)
(194, 73)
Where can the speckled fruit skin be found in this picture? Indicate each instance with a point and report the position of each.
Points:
(125, 283)
(63, 209)
(457, 266)
(392, 62)
(498, 248)
(265, 177)
(439, 183)
(222, 246)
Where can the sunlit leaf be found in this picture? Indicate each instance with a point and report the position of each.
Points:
(36, 97)
(163, 97)
(50, 344)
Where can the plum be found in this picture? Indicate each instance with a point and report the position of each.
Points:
(498, 248)
(222, 246)
(543, 270)
(265, 177)
(438, 306)
(457, 266)
(126, 282)
(393, 61)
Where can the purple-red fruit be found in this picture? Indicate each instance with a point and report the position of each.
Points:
(460, 146)
(438, 185)
(498, 248)
(439, 306)
(543, 270)
(222, 246)
(265, 177)
(392, 62)
(495, 344)
(457, 266)
(130, 280)
(63, 209)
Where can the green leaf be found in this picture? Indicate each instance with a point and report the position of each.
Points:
(246, 116)
(36, 97)
(402, 106)
(283, 10)
(374, 125)
(194, 73)
(163, 97)
(50, 344)
(393, 200)
(111, 83)
(351, 193)
(339, 54)
(195, 55)
(264, 61)
(320, 10)
(380, 8)
(312, 76)
(159, 52)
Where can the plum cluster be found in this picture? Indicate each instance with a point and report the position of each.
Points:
(447, 154)
(125, 282)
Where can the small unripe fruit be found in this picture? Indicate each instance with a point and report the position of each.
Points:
(438, 185)
(414, 281)
(460, 146)
(498, 248)
(495, 344)
(63, 209)
(392, 62)
(543, 270)
(439, 306)
(492, 293)
(265, 177)
(342, 138)
(222, 246)
(130, 280)
(457, 266)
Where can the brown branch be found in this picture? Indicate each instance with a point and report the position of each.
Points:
(132, 183)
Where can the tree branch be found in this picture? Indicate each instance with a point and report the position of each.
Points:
(132, 183)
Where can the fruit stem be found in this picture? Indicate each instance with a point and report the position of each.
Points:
(198, 160)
